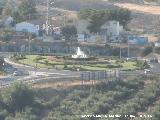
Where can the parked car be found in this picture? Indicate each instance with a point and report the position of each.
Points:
(147, 71)
(17, 73)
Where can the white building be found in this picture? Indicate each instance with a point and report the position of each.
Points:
(27, 27)
(111, 28)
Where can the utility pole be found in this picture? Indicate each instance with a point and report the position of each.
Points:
(128, 50)
(29, 43)
(47, 17)
(106, 36)
(120, 54)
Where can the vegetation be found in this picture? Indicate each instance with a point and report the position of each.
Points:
(147, 50)
(93, 15)
(18, 102)
(70, 34)
(27, 8)
(3, 65)
(46, 62)
(157, 50)
(2, 4)
(125, 97)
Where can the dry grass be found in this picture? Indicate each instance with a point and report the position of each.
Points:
(64, 85)
(155, 10)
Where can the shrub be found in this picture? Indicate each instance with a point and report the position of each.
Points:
(17, 97)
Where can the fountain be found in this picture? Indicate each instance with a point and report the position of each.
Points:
(79, 54)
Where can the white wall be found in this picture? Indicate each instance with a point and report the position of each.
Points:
(113, 28)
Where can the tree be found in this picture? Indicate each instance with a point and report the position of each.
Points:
(70, 34)
(9, 6)
(98, 17)
(25, 115)
(147, 50)
(96, 22)
(27, 8)
(157, 50)
(2, 4)
(17, 97)
(2, 63)
(17, 16)
(120, 14)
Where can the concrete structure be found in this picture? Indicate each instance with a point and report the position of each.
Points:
(111, 28)
(137, 40)
(27, 27)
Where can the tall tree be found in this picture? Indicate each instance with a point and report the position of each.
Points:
(98, 17)
(17, 16)
(27, 8)
(120, 14)
(17, 97)
(70, 34)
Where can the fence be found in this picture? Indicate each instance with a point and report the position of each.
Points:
(100, 75)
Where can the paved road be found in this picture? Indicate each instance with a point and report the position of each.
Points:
(37, 74)
(43, 73)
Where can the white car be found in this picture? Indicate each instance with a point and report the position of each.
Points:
(17, 73)
(147, 71)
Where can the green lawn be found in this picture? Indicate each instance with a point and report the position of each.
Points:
(45, 62)
(129, 65)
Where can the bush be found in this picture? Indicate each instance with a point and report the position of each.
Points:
(17, 97)
(18, 57)
(65, 66)
(157, 50)
(142, 64)
(147, 50)
(114, 66)
(38, 58)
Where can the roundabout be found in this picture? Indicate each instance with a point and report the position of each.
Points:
(79, 61)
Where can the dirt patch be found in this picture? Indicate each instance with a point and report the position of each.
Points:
(155, 10)
(65, 85)
(147, 82)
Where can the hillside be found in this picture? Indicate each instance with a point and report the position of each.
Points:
(140, 8)
(145, 17)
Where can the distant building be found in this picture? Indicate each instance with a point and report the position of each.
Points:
(111, 28)
(27, 27)
(157, 43)
(136, 40)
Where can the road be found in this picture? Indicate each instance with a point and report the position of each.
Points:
(35, 74)
(43, 73)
